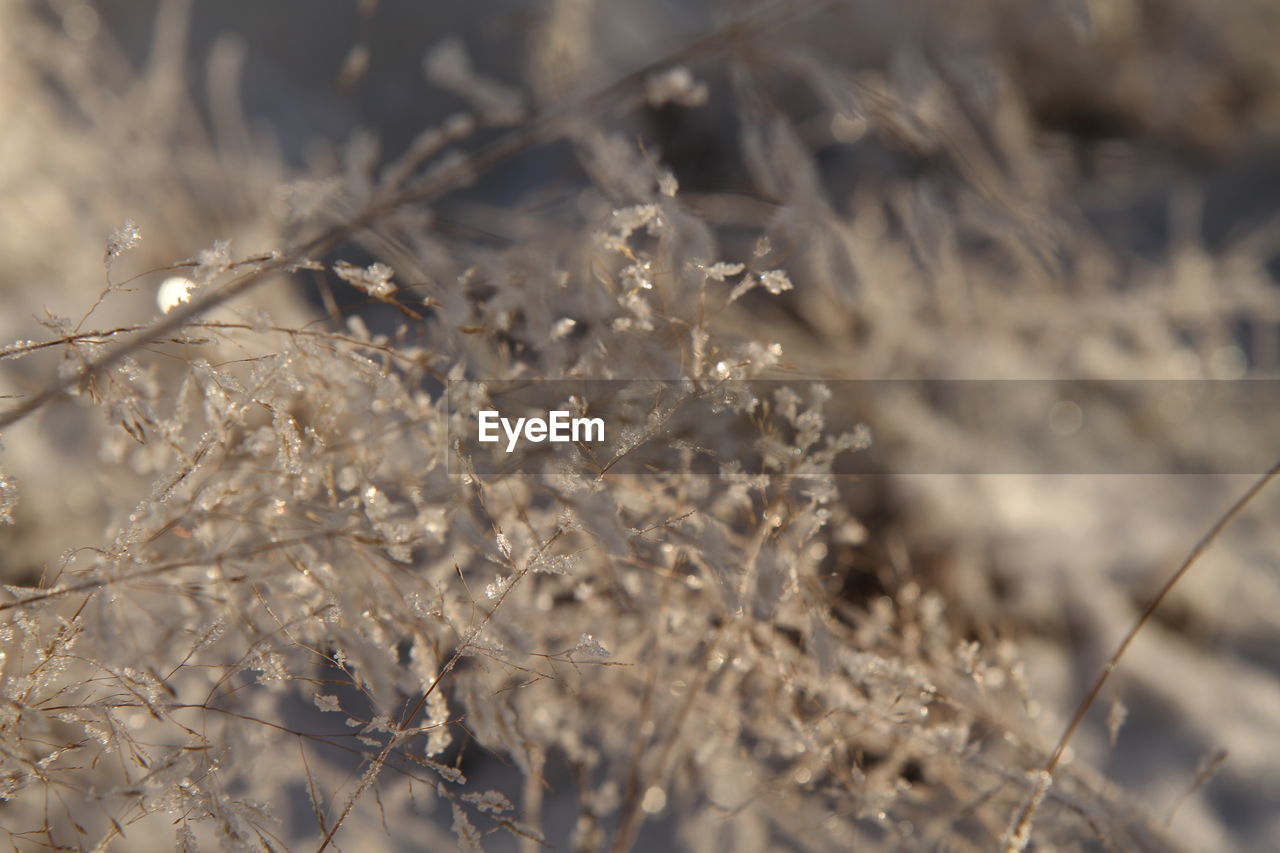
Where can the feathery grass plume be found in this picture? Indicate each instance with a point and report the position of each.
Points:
(261, 594)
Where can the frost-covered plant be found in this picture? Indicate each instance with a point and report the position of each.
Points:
(307, 623)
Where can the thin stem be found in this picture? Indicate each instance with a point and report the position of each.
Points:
(1020, 829)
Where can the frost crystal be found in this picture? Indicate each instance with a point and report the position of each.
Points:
(499, 586)
(468, 836)
(742, 287)
(627, 220)
(775, 281)
(214, 261)
(449, 774)
(8, 499)
(489, 801)
(122, 240)
(374, 279)
(439, 737)
(720, 271)
(326, 702)
(589, 646)
(556, 564)
(186, 840)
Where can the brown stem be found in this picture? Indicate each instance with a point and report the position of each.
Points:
(1020, 829)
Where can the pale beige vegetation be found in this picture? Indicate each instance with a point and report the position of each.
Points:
(250, 606)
